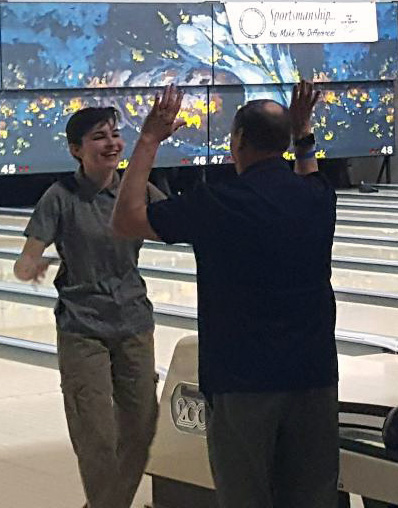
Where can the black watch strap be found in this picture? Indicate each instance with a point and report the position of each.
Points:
(306, 141)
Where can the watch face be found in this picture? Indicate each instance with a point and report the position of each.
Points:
(306, 141)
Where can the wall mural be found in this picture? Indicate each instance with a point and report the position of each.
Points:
(32, 127)
(351, 120)
(85, 45)
(59, 57)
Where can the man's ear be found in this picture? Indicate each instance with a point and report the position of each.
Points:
(75, 150)
(240, 140)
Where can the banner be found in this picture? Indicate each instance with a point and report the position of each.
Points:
(305, 22)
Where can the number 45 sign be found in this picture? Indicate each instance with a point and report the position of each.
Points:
(8, 169)
(12, 169)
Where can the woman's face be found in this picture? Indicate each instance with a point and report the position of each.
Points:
(101, 148)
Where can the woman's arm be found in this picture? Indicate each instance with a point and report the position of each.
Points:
(31, 266)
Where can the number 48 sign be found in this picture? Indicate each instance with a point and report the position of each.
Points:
(387, 150)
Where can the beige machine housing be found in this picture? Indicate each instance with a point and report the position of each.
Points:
(179, 463)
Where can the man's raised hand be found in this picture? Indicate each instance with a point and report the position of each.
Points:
(162, 121)
(303, 102)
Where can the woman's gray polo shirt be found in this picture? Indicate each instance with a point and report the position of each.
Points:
(100, 291)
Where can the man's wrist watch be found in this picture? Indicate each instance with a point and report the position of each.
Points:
(305, 142)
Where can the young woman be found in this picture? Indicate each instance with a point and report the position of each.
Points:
(104, 318)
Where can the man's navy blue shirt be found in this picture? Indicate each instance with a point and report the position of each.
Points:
(266, 307)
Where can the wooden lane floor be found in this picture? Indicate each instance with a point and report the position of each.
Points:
(181, 261)
(354, 228)
(373, 197)
(38, 326)
(365, 233)
(169, 258)
(364, 218)
(184, 293)
(370, 379)
(11, 229)
(37, 464)
(13, 220)
(371, 252)
(353, 321)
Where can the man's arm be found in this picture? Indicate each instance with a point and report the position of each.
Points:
(130, 213)
(303, 102)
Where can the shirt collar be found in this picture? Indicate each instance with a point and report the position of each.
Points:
(272, 163)
(89, 189)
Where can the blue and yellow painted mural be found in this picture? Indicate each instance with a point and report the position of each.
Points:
(59, 57)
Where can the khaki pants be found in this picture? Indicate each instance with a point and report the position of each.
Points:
(275, 450)
(110, 402)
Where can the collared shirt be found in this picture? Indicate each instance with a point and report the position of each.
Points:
(101, 293)
(266, 308)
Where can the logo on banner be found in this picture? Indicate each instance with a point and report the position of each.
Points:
(302, 22)
(188, 409)
(349, 23)
(252, 23)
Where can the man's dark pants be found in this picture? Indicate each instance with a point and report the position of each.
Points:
(275, 449)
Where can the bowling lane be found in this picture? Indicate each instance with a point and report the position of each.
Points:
(367, 231)
(167, 259)
(11, 242)
(159, 290)
(11, 220)
(371, 319)
(17, 242)
(149, 257)
(367, 215)
(353, 199)
(387, 204)
(342, 213)
(21, 222)
(158, 258)
(184, 293)
(347, 230)
(362, 280)
(185, 261)
(39, 326)
(7, 273)
(365, 251)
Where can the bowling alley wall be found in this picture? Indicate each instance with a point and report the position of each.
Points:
(56, 58)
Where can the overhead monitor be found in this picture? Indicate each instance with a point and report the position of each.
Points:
(32, 127)
(86, 45)
(350, 120)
